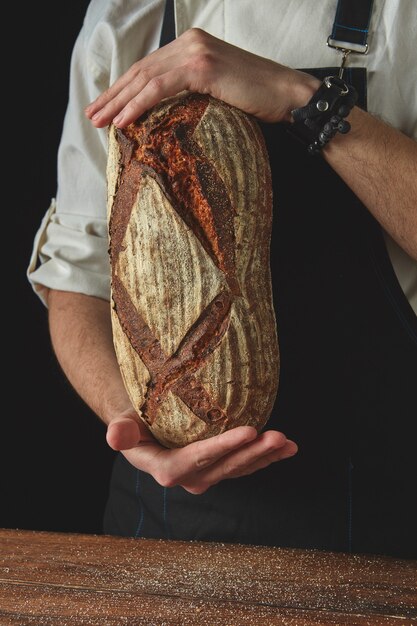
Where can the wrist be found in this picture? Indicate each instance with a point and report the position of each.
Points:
(287, 89)
(301, 88)
(357, 119)
(324, 115)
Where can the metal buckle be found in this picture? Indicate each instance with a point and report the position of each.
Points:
(329, 82)
(346, 51)
(360, 49)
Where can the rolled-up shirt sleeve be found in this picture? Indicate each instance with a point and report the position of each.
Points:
(70, 249)
(70, 254)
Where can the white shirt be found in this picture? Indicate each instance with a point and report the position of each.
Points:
(70, 249)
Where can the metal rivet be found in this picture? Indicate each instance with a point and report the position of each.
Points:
(322, 105)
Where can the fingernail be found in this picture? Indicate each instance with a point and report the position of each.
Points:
(118, 118)
(288, 455)
(95, 116)
(290, 452)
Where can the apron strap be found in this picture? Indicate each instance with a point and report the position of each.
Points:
(351, 25)
(168, 24)
(350, 28)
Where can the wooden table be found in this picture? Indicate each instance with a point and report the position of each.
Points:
(69, 579)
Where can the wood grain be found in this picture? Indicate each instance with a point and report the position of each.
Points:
(53, 578)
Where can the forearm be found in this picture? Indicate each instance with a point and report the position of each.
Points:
(82, 339)
(379, 164)
(80, 328)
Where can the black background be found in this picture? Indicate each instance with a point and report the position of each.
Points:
(54, 461)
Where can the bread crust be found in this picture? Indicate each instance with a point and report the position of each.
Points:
(190, 218)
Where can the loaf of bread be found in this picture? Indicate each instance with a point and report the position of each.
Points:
(189, 217)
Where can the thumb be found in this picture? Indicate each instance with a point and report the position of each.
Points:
(123, 433)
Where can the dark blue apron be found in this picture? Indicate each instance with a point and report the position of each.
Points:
(348, 343)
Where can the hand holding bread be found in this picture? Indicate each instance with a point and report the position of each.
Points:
(197, 466)
(199, 62)
(239, 450)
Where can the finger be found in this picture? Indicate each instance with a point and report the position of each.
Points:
(270, 444)
(205, 453)
(110, 93)
(171, 467)
(123, 433)
(140, 66)
(288, 450)
(111, 106)
(200, 486)
(159, 87)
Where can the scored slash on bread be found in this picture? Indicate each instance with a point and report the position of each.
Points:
(190, 214)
